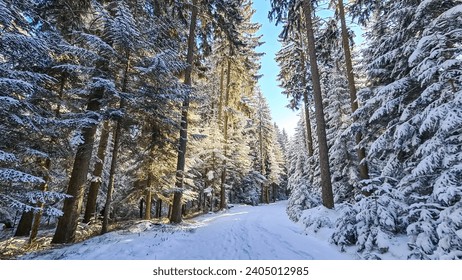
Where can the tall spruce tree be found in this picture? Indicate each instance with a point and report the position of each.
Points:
(287, 9)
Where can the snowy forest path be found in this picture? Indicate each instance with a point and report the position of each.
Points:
(242, 232)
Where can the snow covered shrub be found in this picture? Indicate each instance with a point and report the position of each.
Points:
(302, 197)
(370, 223)
(345, 233)
(318, 218)
(449, 233)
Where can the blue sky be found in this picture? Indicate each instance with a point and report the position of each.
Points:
(283, 116)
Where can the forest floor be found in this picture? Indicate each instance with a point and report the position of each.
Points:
(241, 233)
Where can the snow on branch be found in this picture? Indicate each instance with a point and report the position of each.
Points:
(45, 196)
(7, 157)
(18, 86)
(96, 43)
(11, 175)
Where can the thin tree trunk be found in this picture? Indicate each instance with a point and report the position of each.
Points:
(326, 184)
(363, 168)
(275, 191)
(67, 224)
(37, 218)
(201, 193)
(141, 208)
(147, 213)
(211, 200)
(225, 137)
(220, 104)
(169, 214)
(309, 134)
(176, 207)
(115, 151)
(40, 205)
(205, 210)
(159, 208)
(90, 209)
(110, 188)
(262, 161)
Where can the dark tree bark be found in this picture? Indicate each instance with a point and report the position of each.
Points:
(169, 214)
(90, 209)
(176, 216)
(363, 168)
(67, 224)
(25, 224)
(326, 184)
(141, 208)
(159, 208)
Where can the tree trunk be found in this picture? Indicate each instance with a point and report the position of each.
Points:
(363, 168)
(181, 161)
(110, 187)
(40, 205)
(326, 184)
(275, 191)
(264, 194)
(200, 200)
(115, 150)
(220, 104)
(309, 134)
(141, 208)
(90, 209)
(147, 213)
(211, 201)
(25, 224)
(169, 214)
(37, 218)
(159, 208)
(225, 137)
(67, 224)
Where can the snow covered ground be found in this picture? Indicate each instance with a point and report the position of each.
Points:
(241, 233)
